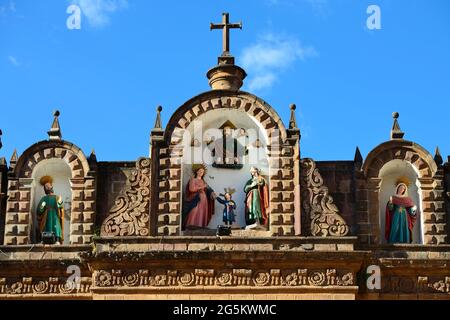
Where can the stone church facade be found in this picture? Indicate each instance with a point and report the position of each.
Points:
(324, 239)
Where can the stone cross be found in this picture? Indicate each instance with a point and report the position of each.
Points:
(226, 26)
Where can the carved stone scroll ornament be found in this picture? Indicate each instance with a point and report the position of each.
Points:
(318, 204)
(130, 214)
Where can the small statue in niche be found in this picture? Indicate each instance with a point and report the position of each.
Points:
(257, 200)
(50, 214)
(229, 216)
(198, 206)
(228, 152)
(401, 215)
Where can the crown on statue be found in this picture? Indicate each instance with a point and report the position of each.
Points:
(403, 180)
(45, 179)
(229, 190)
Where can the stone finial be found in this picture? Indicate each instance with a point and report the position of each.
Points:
(396, 132)
(2, 161)
(157, 133)
(293, 121)
(55, 131)
(358, 158)
(13, 161)
(438, 157)
(1, 133)
(92, 157)
(158, 123)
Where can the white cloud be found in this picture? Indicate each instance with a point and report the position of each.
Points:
(13, 60)
(6, 8)
(262, 81)
(98, 12)
(270, 56)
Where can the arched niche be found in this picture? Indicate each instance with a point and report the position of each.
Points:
(168, 153)
(21, 183)
(430, 192)
(253, 137)
(60, 171)
(390, 173)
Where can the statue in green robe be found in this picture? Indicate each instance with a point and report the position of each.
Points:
(256, 201)
(50, 212)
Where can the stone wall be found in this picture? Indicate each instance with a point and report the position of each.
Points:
(3, 192)
(113, 178)
(447, 193)
(339, 178)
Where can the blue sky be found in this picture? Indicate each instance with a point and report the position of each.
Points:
(131, 55)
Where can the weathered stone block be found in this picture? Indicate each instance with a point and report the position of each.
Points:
(12, 217)
(288, 219)
(174, 207)
(89, 206)
(174, 196)
(76, 228)
(88, 228)
(24, 206)
(23, 217)
(276, 219)
(76, 239)
(22, 229)
(24, 195)
(11, 230)
(288, 230)
(276, 207)
(288, 207)
(88, 216)
(12, 206)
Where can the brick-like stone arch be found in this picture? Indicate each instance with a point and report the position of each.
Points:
(167, 160)
(18, 212)
(431, 181)
(219, 99)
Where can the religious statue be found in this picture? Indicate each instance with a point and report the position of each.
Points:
(227, 151)
(401, 215)
(257, 200)
(198, 206)
(50, 213)
(229, 217)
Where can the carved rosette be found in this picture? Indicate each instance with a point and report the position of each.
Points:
(130, 214)
(44, 286)
(225, 278)
(318, 205)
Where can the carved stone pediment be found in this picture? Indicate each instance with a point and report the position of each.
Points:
(130, 214)
(318, 205)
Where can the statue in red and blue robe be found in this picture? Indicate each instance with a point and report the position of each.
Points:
(401, 215)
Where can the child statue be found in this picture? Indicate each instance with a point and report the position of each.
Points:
(229, 217)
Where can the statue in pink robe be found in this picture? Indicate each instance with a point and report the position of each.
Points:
(198, 206)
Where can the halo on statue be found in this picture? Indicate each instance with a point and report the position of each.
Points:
(403, 180)
(45, 179)
(197, 166)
